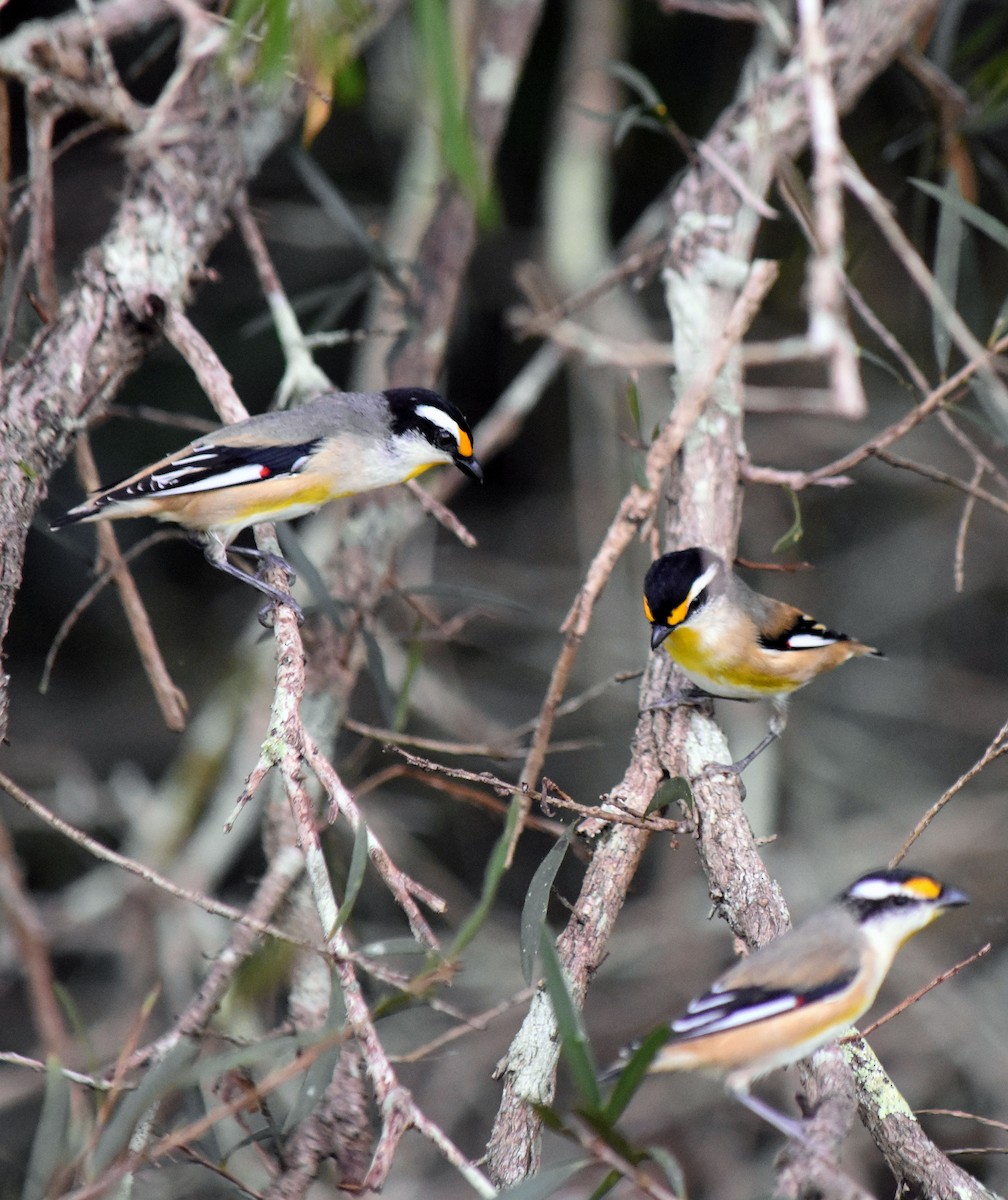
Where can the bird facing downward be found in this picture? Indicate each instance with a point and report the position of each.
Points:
(733, 643)
(805, 988)
(281, 465)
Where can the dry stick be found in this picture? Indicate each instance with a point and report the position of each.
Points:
(40, 1068)
(29, 933)
(637, 506)
(602, 1152)
(181, 1137)
(285, 867)
(399, 883)
(169, 696)
(550, 795)
(970, 489)
(42, 219)
(473, 1024)
(916, 268)
(210, 372)
(506, 746)
(828, 327)
(959, 553)
(87, 598)
(910, 1000)
(216, 908)
(302, 376)
(997, 747)
(898, 429)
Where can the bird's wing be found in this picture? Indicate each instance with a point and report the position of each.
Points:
(783, 627)
(205, 466)
(809, 963)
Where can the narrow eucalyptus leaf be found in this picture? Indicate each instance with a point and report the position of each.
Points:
(533, 916)
(51, 1146)
(573, 1039)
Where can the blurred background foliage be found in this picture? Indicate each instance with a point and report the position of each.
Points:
(588, 149)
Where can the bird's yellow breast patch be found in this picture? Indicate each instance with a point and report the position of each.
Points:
(721, 669)
(423, 467)
(274, 502)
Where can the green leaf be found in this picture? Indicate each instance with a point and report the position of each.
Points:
(533, 916)
(795, 533)
(316, 1079)
(1000, 322)
(634, 1071)
(633, 404)
(606, 1186)
(636, 82)
(471, 595)
(491, 880)
(671, 791)
(170, 1074)
(573, 1039)
(51, 1145)
(543, 1185)
(996, 230)
(947, 261)
(389, 947)
(670, 1168)
(355, 877)
(436, 43)
(414, 661)
(883, 364)
(376, 673)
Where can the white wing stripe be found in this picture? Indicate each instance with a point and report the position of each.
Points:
(807, 641)
(171, 480)
(743, 1016)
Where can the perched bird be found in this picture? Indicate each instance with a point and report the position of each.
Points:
(281, 465)
(733, 643)
(805, 988)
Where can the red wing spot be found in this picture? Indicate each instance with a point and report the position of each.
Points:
(265, 472)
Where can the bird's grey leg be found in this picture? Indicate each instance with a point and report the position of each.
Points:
(215, 553)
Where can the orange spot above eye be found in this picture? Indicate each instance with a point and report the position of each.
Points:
(465, 444)
(924, 886)
(647, 612)
(678, 615)
(265, 472)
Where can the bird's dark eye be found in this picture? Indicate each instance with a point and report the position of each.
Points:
(445, 441)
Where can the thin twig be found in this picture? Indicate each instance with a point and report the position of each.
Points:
(941, 395)
(169, 696)
(602, 1152)
(910, 1000)
(102, 580)
(444, 516)
(970, 489)
(216, 908)
(997, 747)
(28, 930)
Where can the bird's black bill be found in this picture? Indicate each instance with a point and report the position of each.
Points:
(952, 898)
(658, 635)
(470, 467)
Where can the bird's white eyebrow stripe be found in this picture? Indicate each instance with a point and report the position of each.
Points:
(702, 581)
(876, 889)
(437, 416)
